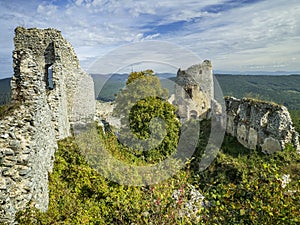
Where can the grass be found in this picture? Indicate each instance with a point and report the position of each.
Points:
(295, 114)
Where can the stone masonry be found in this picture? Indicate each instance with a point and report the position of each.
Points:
(47, 86)
(256, 124)
(194, 91)
(263, 125)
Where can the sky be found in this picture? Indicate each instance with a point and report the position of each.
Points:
(236, 35)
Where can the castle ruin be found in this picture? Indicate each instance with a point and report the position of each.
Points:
(256, 124)
(48, 96)
(194, 91)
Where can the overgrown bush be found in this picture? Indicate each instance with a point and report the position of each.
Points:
(79, 195)
(240, 187)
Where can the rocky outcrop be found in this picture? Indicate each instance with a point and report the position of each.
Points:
(258, 124)
(46, 87)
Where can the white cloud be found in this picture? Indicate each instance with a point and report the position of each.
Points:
(46, 9)
(78, 2)
(263, 34)
(233, 33)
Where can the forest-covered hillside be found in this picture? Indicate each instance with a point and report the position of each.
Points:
(284, 90)
(280, 89)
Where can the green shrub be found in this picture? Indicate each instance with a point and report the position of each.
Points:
(241, 186)
(79, 195)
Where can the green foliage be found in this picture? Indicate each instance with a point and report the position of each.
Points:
(79, 195)
(137, 75)
(295, 114)
(150, 127)
(141, 115)
(241, 186)
(107, 87)
(110, 86)
(283, 90)
(280, 89)
(140, 85)
(245, 188)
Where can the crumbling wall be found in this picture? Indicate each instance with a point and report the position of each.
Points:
(47, 82)
(194, 91)
(263, 125)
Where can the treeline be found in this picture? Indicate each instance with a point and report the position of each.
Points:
(283, 90)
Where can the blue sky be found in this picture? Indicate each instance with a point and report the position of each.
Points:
(244, 35)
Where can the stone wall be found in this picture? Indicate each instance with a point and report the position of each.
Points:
(47, 86)
(194, 91)
(263, 125)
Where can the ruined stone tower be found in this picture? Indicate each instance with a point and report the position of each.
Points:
(49, 94)
(256, 124)
(194, 91)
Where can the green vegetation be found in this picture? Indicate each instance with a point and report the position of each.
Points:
(295, 114)
(241, 186)
(147, 116)
(106, 88)
(79, 195)
(244, 186)
(283, 90)
(111, 85)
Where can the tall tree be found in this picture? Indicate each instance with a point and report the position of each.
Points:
(150, 128)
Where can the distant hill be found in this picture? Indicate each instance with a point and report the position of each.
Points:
(107, 86)
(4, 91)
(284, 89)
(268, 73)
